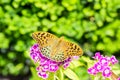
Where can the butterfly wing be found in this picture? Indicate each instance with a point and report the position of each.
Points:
(72, 49)
(46, 42)
(44, 38)
(66, 49)
(59, 54)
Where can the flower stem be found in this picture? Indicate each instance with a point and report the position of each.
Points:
(114, 76)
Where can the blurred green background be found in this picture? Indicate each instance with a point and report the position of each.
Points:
(93, 24)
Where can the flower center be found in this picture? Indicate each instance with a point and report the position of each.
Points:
(113, 60)
(106, 71)
(52, 67)
(103, 61)
(98, 67)
(45, 66)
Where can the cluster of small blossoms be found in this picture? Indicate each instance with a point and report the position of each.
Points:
(118, 78)
(102, 65)
(46, 65)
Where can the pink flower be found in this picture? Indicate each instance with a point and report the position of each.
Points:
(46, 65)
(104, 61)
(65, 65)
(43, 74)
(92, 71)
(102, 65)
(118, 78)
(108, 58)
(53, 68)
(113, 60)
(98, 67)
(107, 72)
(97, 56)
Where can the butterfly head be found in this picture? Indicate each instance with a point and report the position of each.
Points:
(35, 35)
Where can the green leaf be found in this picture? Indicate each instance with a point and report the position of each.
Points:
(1, 12)
(4, 44)
(100, 46)
(20, 46)
(71, 74)
(75, 64)
(59, 74)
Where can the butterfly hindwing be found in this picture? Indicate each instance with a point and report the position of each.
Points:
(71, 49)
(46, 51)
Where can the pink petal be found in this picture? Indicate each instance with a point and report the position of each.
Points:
(43, 75)
(104, 61)
(107, 72)
(65, 65)
(97, 56)
(113, 60)
(53, 68)
(98, 67)
(92, 71)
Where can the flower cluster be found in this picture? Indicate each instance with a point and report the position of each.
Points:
(46, 65)
(118, 78)
(102, 65)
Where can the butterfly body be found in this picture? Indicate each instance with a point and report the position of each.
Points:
(56, 48)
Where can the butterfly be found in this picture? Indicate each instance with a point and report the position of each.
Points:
(54, 48)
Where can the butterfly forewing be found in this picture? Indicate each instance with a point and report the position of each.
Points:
(46, 42)
(44, 38)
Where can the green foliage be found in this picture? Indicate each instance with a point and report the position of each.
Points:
(93, 24)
